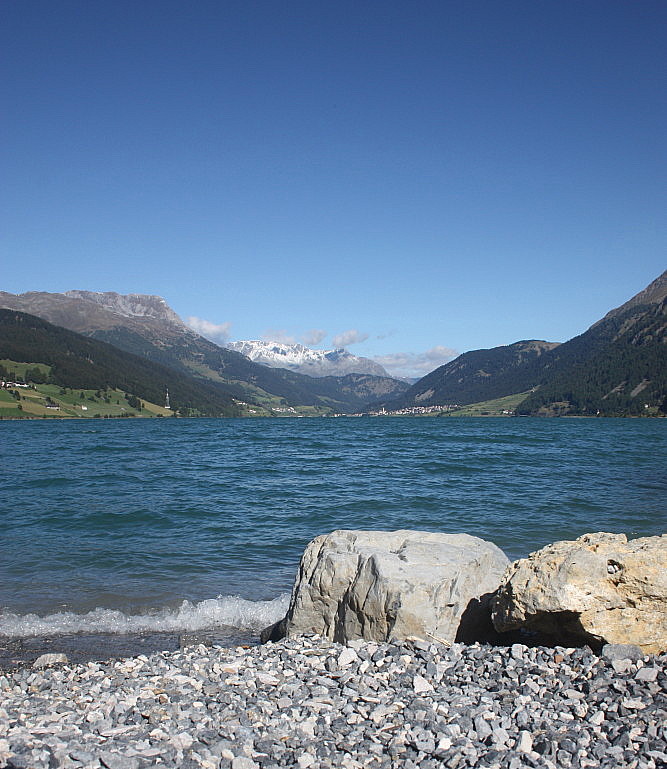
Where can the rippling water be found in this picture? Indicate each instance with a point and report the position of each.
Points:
(115, 524)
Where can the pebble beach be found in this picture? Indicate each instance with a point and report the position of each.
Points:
(309, 703)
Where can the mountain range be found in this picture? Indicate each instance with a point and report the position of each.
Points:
(145, 326)
(304, 360)
(617, 367)
(78, 362)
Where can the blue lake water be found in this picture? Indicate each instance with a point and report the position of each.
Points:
(183, 524)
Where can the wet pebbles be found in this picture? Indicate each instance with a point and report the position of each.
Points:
(310, 703)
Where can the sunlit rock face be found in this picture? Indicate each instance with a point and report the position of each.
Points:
(597, 589)
(381, 585)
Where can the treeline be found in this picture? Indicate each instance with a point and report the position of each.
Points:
(80, 362)
(616, 368)
(342, 393)
(479, 375)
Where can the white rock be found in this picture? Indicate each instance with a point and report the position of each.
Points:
(45, 660)
(267, 679)
(243, 762)
(621, 666)
(420, 685)
(525, 742)
(647, 674)
(381, 585)
(182, 741)
(444, 744)
(347, 657)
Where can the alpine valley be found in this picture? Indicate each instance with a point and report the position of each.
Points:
(136, 345)
(147, 329)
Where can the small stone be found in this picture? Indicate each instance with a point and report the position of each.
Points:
(500, 736)
(621, 666)
(182, 741)
(421, 685)
(634, 704)
(243, 762)
(482, 728)
(612, 652)
(267, 679)
(525, 742)
(45, 660)
(118, 761)
(347, 657)
(517, 651)
(647, 674)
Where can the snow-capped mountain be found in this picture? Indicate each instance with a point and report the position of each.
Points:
(315, 363)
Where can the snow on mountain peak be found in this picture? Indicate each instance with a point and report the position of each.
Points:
(304, 360)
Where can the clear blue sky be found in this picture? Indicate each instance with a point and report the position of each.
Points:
(425, 175)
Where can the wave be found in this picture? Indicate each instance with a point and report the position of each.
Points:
(211, 613)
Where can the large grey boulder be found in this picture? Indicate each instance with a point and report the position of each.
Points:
(391, 585)
(598, 589)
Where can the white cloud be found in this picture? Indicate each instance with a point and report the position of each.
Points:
(349, 337)
(278, 335)
(314, 336)
(216, 332)
(411, 365)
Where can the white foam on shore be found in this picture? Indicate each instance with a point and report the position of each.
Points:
(205, 615)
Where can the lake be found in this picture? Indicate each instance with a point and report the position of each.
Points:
(134, 525)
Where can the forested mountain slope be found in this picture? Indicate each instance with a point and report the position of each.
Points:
(479, 375)
(617, 367)
(147, 327)
(78, 362)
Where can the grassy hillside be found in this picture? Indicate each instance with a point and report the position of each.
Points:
(497, 407)
(48, 401)
(78, 363)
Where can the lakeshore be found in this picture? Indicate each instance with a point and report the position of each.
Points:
(310, 703)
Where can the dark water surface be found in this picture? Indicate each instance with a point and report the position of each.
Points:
(181, 525)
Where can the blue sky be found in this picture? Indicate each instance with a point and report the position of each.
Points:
(414, 179)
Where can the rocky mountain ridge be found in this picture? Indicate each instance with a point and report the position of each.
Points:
(145, 326)
(130, 305)
(304, 360)
(88, 311)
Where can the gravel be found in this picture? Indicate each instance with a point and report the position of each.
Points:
(309, 703)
